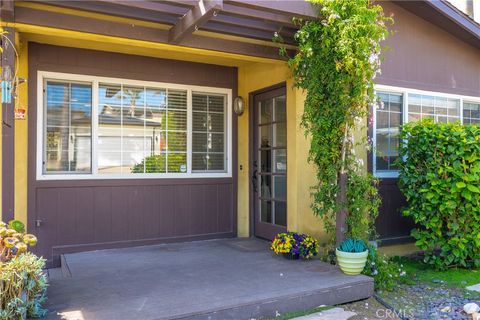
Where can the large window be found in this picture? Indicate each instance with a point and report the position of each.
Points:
(96, 127)
(399, 106)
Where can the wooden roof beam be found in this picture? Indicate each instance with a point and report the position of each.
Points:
(180, 3)
(194, 18)
(248, 13)
(117, 9)
(7, 10)
(164, 8)
(290, 8)
(29, 19)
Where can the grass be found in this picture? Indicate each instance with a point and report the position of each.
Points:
(453, 277)
(291, 315)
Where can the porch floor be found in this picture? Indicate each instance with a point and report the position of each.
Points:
(215, 279)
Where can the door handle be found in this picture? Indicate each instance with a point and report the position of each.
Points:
(38, 223)
(254, 181)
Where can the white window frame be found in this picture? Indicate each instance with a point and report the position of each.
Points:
(95, 80)
(405, 93)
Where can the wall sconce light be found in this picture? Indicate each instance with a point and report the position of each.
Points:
(238, 106)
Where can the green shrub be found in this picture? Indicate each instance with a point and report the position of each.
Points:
(22, 287)
(386, 272)
(440, 177)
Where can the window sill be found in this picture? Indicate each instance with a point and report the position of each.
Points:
(386, 174)
(138, 176)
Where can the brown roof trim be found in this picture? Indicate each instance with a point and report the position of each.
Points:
(29, 16)
(446, 17)
(465, 15)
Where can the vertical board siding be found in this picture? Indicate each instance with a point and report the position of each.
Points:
(76, 218)
(392, 226)
(211, 209)
(80, 215)
(425, 57)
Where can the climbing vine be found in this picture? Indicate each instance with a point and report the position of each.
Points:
(337, 60)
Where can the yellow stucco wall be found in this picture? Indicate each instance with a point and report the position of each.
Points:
(21, 136)
(300, 174)
(20, 170)
(252, 78)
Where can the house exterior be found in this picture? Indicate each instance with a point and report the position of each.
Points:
(131, 132)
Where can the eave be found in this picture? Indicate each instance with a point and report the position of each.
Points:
(243, 27)
(445, 16)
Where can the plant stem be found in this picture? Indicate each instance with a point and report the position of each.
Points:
(342, 212)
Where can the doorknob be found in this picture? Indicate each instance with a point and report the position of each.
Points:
(254, 181)
(254, 176)
(38, 223)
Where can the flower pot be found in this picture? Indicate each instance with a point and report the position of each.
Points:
(291, 256)
(352, 263)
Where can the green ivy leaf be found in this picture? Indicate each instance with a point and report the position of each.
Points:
(461, 185)
(473, 188)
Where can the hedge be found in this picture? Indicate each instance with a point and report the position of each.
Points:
(440, 177)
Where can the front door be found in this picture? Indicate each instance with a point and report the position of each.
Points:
(269, 176)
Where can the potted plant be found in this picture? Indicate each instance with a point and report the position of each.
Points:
(23, 282)
(352, 256)
(293, 245)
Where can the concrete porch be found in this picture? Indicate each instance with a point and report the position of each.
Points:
(216, 279)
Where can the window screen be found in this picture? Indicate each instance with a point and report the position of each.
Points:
(471, 113)
(388, 121)
(208, 135)
(67, 127)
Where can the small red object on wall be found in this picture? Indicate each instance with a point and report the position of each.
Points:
(20, 114)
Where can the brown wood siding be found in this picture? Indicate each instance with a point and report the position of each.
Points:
(391, 226)
(81, 215)
(425, 57)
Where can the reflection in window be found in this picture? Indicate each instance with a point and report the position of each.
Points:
(208, 135)
(388, 121)
(141, 130)
(68, 129)
(439, 109)
(471, 113)
(272, 153)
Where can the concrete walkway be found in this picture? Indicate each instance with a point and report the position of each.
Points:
(217, 279)
(330, 314)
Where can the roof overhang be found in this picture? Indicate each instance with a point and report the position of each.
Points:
(445, 16)
(244, 27)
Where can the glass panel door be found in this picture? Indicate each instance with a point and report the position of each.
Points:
(270, 163)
